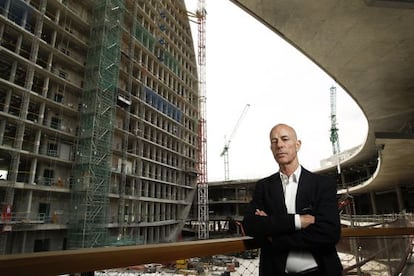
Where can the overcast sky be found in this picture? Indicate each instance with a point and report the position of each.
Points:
(246, 63)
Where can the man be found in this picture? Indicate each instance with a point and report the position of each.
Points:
(294, 215)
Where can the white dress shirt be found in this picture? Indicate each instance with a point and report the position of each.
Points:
(297, 261)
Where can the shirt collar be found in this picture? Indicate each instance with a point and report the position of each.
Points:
(294, 177)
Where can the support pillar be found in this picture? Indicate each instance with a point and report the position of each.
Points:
(373, 203)
(32, 173)
(399, 198)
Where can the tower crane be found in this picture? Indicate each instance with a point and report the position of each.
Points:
(202, 184)
(225, 152)
(347, 199)
(334, 130)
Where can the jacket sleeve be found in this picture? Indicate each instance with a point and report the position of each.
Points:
(325, 232)
(275, 223)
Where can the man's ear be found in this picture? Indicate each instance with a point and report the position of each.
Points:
(298, 145)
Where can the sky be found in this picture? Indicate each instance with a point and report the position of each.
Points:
(247, 63)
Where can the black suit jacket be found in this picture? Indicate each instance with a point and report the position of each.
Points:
(316, 195)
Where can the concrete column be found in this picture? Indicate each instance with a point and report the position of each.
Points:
(6, 110)
(6, 8)
(41, 117)
(24, 239)
(37, 141)
(29, 204)
(57, 16)
(399, 198)
(13, 69)
(373, 203)
(45, 88)
(32, 173)
(18, 44)
(1, 31)
(2, 129)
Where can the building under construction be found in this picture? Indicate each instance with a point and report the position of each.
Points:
(99, 123)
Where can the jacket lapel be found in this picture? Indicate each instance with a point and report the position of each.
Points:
(276, 194)
(304, 194)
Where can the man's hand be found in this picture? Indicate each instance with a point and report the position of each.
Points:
(306, 220)
(260, 213)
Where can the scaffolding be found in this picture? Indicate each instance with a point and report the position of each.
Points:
(99, 121)
(92, 170)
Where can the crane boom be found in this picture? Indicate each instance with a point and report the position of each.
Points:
(225, 152)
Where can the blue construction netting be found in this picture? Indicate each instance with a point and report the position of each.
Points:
(161, 104)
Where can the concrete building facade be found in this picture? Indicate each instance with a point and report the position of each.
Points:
(98, 123)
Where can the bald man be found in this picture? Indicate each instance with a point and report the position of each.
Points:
(294, 215)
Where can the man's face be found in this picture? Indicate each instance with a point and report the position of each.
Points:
(284, 144)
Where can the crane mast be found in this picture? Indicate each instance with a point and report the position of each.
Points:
(225, 152)
(334, 130)
(202, 185)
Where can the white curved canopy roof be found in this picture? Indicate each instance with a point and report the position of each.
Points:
(366, 46)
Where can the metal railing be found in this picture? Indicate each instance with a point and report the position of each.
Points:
(371, 220)
(97, 259)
